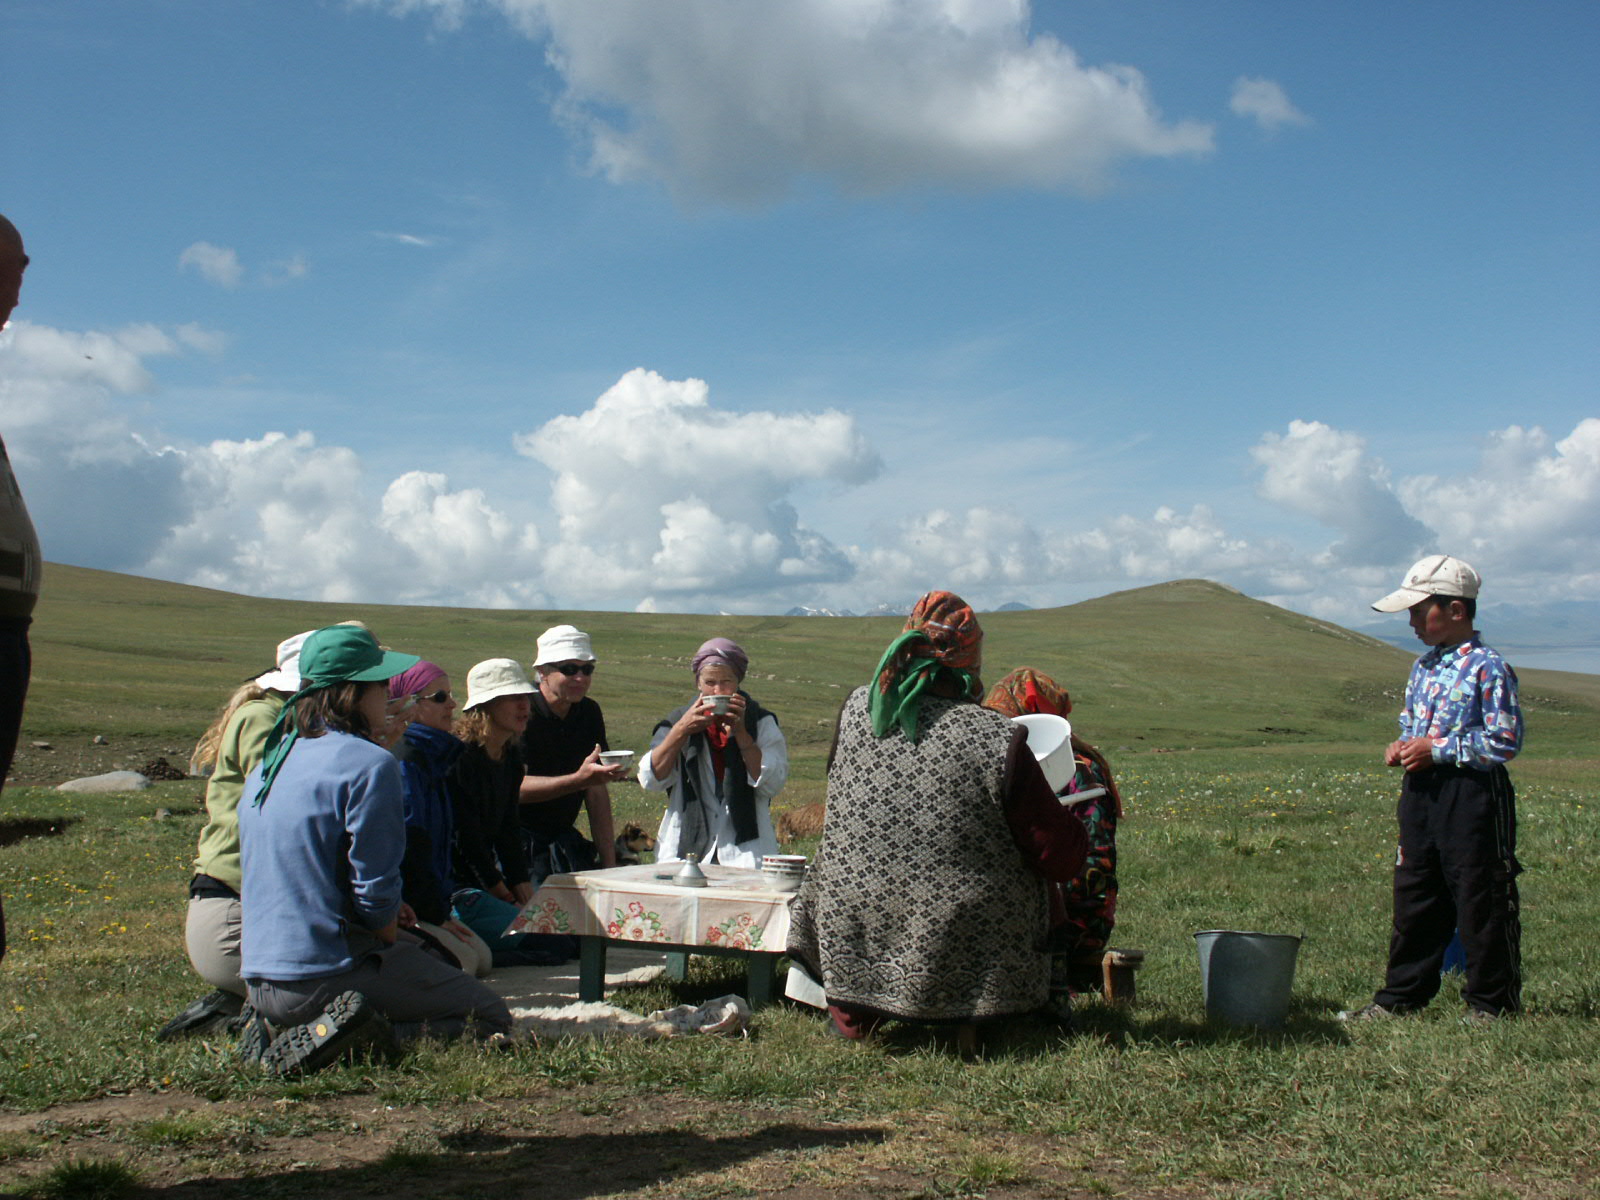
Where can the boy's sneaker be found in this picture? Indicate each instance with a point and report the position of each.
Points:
(211, 1011)
(1478, 1017)
(1373, 1012)
(349, 1024)
(255, 1035)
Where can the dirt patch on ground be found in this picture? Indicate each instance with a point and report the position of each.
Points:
(578, 1142)
(78, 757)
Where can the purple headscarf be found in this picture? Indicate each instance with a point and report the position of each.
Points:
(416, 680)
(723, 652)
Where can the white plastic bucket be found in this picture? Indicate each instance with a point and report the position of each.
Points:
(1247, 978)
(1050, 739)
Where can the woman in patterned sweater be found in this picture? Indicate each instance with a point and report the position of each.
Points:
(928, 898)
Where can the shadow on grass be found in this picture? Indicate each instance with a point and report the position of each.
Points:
(15, 829)
(1311, 1021)
(552, 1166)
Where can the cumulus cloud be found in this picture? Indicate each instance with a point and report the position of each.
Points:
(1265, 103)
(740, 102)
(215, 264)
(1327, 474)
(287, 270)
(1530, 507)
(1524, 514)
(656, 490)
(222, 266)
(661, 501)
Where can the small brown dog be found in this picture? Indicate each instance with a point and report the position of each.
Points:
(632, 842)
(796, 824)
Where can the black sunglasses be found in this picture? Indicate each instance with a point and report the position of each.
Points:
(571, 669)
(437, 697)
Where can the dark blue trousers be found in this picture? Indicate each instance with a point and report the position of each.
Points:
(1457, 869)
(16, 665)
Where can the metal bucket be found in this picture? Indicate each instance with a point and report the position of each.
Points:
(1247, 978)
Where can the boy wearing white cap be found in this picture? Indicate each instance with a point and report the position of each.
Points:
(561, 748)
(1457, 865)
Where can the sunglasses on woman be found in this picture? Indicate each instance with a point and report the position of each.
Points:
(571, 669)
(438, 697)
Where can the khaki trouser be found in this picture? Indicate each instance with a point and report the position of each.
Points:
(211, 932)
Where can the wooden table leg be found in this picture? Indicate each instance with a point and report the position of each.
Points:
(759, 978)
(678, 965)
(591, 968)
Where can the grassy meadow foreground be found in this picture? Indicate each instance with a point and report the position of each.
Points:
(1244, 737)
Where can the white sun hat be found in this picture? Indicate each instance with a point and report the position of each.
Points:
(563, 643)
(1436, 575)
(496, 677)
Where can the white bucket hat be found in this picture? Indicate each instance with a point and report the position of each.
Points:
(1436, 575)
(496, 677)
(563, 643)
(285, 677)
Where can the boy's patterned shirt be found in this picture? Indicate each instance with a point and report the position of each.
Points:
(1464, 699)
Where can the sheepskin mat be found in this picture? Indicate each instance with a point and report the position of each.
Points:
(549, 987)
(728, 1015)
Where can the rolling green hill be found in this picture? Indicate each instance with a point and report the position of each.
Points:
(1178, 666)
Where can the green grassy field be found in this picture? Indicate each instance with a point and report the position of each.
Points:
(1246, 740)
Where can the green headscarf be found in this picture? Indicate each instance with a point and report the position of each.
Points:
(942, 636)
(337, 654)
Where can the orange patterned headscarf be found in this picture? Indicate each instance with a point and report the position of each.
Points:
(1027, 691)
(941, 637)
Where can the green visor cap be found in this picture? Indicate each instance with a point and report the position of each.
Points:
(348, 653)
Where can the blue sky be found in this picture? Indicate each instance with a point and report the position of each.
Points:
(708, 305)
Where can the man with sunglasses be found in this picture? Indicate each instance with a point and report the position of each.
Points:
(561, 750)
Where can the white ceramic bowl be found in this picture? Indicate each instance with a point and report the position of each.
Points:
(615, 758)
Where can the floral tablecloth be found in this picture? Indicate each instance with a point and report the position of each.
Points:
(734, 911)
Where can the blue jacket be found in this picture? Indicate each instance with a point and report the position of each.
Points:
(427, 756)
(321, 854)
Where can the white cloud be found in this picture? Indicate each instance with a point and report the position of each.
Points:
(1530, 508)
(661, 501)
(215, 264)
(1326, 474)
(406, 239)
(296, 266)
(1266, 103)
(655, 490)
(739, 102)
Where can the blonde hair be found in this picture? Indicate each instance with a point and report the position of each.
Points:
(209, 746)
(473, 726)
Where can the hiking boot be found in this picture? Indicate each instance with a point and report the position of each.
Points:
(1479, 1017)
(212, 1011)
(255, 1035)
(1373, 1012)
(348, 1025)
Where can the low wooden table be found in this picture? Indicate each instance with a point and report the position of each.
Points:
(734, 916)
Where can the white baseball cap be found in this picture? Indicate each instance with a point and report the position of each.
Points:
(1436, 575)
(496, 677)
(563, 643)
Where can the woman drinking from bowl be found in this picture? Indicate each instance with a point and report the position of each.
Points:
(720, 760)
